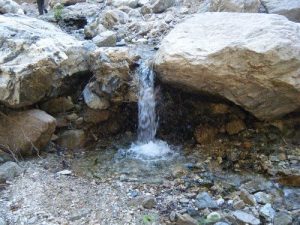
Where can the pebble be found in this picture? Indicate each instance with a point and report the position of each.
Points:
(203, 200)
(2, 221)
(64, 172)
(246, 218)
(149, 202)
(185, 219)
(262, 197)
(267, 212)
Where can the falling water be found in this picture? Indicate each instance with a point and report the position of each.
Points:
(147, 116)
(147, 146)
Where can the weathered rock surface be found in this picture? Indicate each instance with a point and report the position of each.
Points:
(160, 6)
(105, 39)
(288, 8)
(245, 218)
(9, 6)
(251, 61)
(9, 170)
(248, 6)
(26, 132)
(34, 58)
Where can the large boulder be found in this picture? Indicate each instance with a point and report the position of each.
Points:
(26, 132)
(35, 57)
(250, 6)
(252, 60)
(288, 8)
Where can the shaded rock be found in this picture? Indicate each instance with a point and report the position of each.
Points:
(9, 170)
(149, 202)
(35, 57)
(9, 6)
(235, 127)
(5, 157)
(219, 108)
(247, 197)
(112, 68)
(245, 218)
(237, 67)
(288, 8)
(77, 16)
(282, 218)
(95, 116)
(205, 134)
(105, 39)
(185, 219)
(26, 132)
(93, 100)
(58, 105)
(203, 200)
(160, 6)
(71, 139)
(249, 6)
(267, 212)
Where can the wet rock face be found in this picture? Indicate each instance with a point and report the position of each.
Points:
(288, 8)
(26, 132)
(260, 76)
(36, 56)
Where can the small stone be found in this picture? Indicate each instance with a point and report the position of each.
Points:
(184, 200)
(203, 200)
(93, 100)
(235, 127)
(185, 219)
(257, 185)
(172, 216)
(64, 172)
(240, 204)
(105, 39)
(262, 197)
(219, 108)
(213, 217)
(9, 171)
(267, 212)
(246, 218)
(95, 116)
(160, 6)
(282, 218)
(149, 202)
(247, 197)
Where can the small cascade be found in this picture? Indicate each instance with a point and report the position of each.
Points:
(147, 147)
(147, 117)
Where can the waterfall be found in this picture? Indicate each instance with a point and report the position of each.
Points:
(147, 116)
(147, 146)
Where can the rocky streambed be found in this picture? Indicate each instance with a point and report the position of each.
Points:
(227, 101)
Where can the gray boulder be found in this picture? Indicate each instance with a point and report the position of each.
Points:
(242, 57)
(9, 171)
